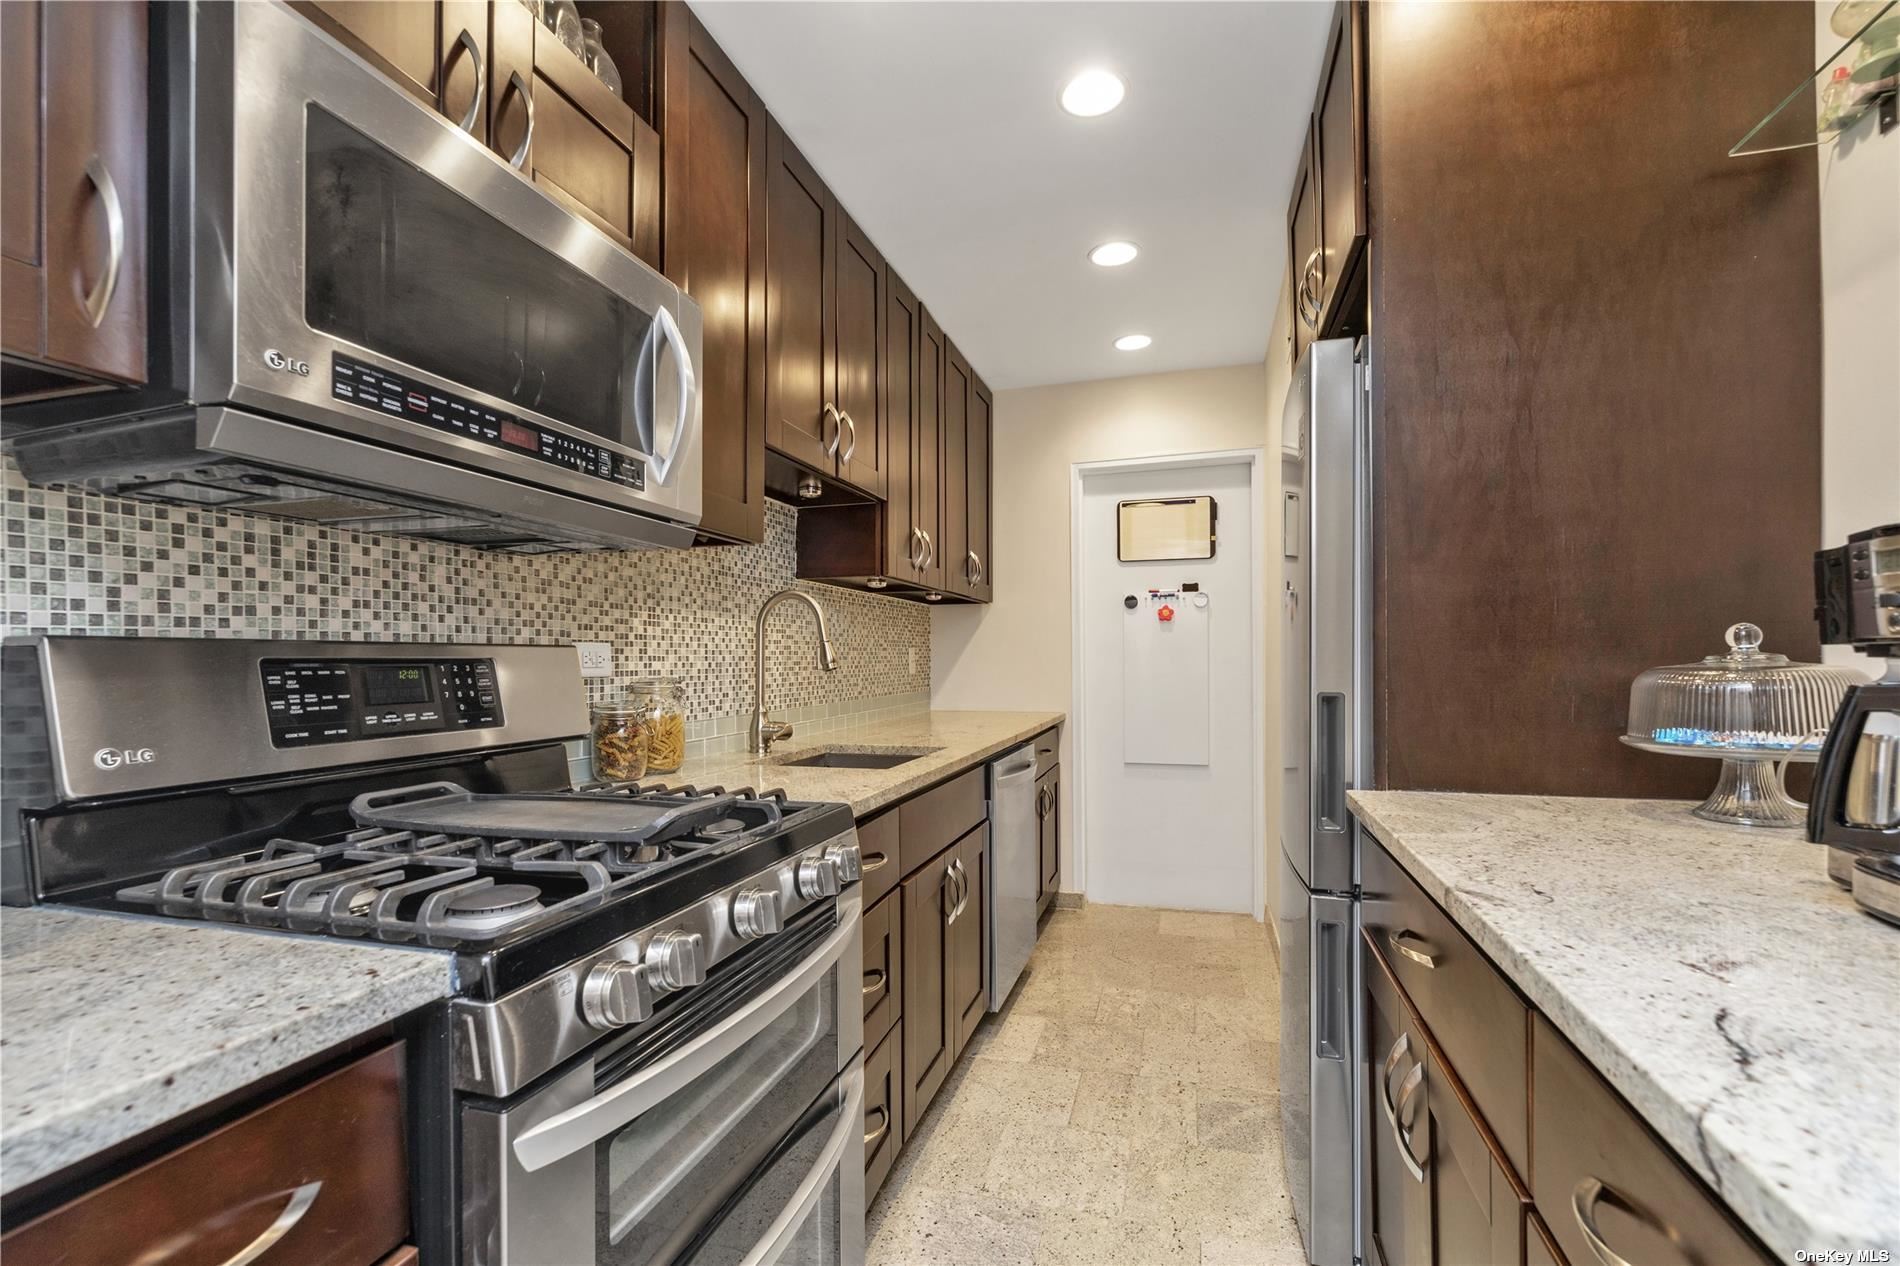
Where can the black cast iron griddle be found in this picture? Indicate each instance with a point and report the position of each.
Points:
(449, 809)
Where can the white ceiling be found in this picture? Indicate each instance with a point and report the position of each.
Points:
(937, 125)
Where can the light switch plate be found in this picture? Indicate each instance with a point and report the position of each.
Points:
(597, 658)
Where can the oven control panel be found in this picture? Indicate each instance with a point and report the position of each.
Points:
(311, 701)
(372, 387)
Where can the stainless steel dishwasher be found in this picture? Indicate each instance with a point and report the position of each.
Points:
(1015, 872)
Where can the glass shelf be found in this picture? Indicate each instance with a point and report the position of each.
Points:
(1808, 116)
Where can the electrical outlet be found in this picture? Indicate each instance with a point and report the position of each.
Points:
(910, 657)
(597, 658)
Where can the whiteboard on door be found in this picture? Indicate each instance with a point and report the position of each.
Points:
(1165, 680)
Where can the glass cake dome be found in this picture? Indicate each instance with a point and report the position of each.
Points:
(1750, 708)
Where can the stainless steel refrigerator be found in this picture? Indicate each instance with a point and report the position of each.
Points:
(1328, 626)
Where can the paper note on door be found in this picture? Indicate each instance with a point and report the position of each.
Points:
(1165, 685)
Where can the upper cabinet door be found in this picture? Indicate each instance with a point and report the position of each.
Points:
(1304, 254)
(858, 358)
(800, 311)
(956, 471)
(1339, 138)
(398, 37)
(927, 451)
(95, 157)
(976, 482)
(463, 71)
(903, 547)
(715, 250)
(508, 96)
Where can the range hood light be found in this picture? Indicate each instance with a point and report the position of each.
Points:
(809, 489)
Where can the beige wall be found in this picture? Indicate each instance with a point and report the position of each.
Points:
(1015, 652)
(1279, 378)
(1860, 323)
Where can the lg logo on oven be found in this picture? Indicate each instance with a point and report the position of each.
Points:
(289, 364)
(113, 757)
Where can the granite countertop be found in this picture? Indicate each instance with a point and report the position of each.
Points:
(1742, 1003)
(113, 1025)
(963, 739)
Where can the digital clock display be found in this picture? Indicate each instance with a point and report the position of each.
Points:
(385, 685)
(520, 436)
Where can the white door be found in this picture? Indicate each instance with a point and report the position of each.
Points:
(1168, 728)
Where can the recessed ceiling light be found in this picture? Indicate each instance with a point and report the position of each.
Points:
(1132, 342)
(1091, 93)
(1113, 254)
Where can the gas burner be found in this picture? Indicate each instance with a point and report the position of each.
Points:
(482, 909)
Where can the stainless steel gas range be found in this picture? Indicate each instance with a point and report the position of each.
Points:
(655, 1051)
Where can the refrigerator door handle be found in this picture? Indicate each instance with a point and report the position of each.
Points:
(1330, 989)
(1329, 798)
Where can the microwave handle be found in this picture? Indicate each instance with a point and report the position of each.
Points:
(667, 330)
(587, 1123)
(779, 1235)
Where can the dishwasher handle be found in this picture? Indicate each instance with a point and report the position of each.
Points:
(1016, 766)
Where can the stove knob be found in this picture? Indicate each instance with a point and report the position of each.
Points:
(615, 994)
(845, 858)
(817, 877)
(673, 961)
(755, 914)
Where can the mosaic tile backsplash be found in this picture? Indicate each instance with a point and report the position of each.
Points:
(80, 563)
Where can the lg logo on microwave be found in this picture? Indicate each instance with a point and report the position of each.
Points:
(288, 364)
(113, 757)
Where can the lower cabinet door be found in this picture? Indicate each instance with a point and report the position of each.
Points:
(1049, 836)
(883, 968)
(1397, 1210)
(930, 1042)
(969, 970)
(1477, 1217)
(883, 1110)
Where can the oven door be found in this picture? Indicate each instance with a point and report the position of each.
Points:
(368, 267)
(726, 1131)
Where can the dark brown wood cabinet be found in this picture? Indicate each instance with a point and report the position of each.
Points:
(714, 248)
(73, 214)
(585, 145)
(968, 968)
(930, 1023)
(463, 75)
(328, 1158)
(1303, 247)
(1049, 837)
(398, 37)
(883, 968)
(967, 408)
(1327, 221)
(800, 314)
(859, 353)
(883, 1110)
(1396, 1211)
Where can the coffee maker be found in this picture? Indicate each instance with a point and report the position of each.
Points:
(1855, 808)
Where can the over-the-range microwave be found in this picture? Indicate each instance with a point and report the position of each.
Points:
(366, 318)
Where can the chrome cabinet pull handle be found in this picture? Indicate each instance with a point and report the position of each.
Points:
(1397, 940)
(930, 545)
(1403, 1133)
(300, 1201)
(874, 981)
(977, 561)
(1585, 1198)
(1392, 1059)
(95, 303)
(949, 881)
(517, 84)
(915, 554)
(831, 415)
(852, 447)
(873, 861)
(873, 1137)
(469, 120)
(1311, 275)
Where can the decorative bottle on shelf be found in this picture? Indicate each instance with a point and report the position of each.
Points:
(597, 59)
(565, 21)
(1834, 100)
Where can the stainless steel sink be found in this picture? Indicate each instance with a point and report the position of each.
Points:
(833, 758)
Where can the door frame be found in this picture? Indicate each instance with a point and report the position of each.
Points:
(1079, 474)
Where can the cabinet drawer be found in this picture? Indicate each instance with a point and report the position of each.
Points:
(883, 968)
(1468, 1006)
(1598, 1174)
(1048, 750)
(883, 1110)
(327, 1158)
(877, 845)
(932, 822)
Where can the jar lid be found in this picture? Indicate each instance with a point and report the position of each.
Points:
(616, 708)
(1749, 701)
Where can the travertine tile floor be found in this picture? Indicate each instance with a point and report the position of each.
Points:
(1123, 1110)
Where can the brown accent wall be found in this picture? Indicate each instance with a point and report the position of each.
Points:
(1596, 383)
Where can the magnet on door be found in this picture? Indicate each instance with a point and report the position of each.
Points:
(1165, 614)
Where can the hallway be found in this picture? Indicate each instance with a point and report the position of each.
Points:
(1121, 1111)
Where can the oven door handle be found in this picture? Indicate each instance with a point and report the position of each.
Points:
(585, 1124)
(667, 330)
(778, 1236)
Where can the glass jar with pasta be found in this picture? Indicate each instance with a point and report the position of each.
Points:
(620, 741)
(664, 702)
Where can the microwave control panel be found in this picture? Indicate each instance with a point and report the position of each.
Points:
(371, 387)
(310, 701)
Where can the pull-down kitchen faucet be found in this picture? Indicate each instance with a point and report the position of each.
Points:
(764, 731)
